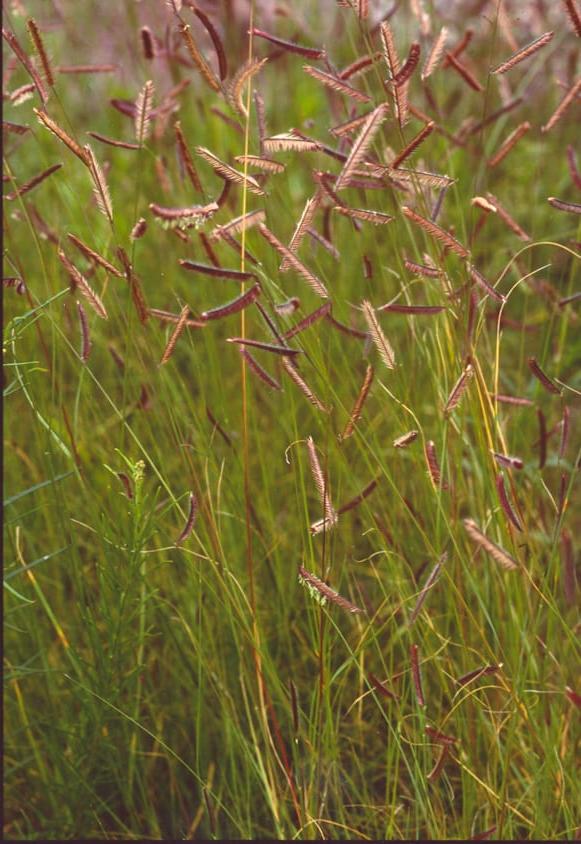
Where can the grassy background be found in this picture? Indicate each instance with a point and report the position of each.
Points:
(198, 692)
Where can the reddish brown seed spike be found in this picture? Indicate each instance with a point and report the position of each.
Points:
(216, 272)
(216, 41)
(433, 466)
(40, 50)
(326, 592)
(505, 502)
(483, 836)
(355, 502)
(253, 364)
(459, 389)
(381, 688)
(524, 52)
(563, 106)
(506, 460)
(265, 347)
(561, 205)
(358, 406)
(290, 46)
(416, 675)
(497, 553)
(394, 307)
(413, 144)
(189, 525)
(14, 44)
(439, 737)
(409, 65)
(147, 43)
(32, 183)
(574, 15)
(479, 279)
(336, 84)
(405, 439)
(478, 672)
(463, 71)
(320, 313)
(435, 231)
(178, 330)
(187, 159)
(126, 484)
(510, 142)
(542, 377)
(112, 142)
(438, 767)
(234, 306)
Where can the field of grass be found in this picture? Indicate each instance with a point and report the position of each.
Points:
(324, 587)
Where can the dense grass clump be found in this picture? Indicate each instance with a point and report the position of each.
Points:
(292, 366)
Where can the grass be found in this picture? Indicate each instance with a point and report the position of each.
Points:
(201, 689)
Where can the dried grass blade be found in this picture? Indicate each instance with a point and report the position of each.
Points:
(495, 551)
